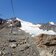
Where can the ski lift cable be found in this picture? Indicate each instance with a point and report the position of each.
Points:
(12, 8)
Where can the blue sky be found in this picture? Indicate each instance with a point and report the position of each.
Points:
(35, 11)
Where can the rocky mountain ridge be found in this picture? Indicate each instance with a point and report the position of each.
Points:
(27, 40)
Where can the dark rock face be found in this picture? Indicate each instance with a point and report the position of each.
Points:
(17, 23)
(14, 23)
(2, 21)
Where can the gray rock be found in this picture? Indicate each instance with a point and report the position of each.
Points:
(24, 47)
(13, 45)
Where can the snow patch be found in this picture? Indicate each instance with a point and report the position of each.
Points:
(39, 25)
(52, 23)
(35, 26)
(18, 19)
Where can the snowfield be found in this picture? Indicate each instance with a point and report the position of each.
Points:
(33, 29)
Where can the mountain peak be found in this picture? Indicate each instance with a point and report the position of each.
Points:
(52, 23)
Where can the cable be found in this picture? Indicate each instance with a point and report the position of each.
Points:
(12, 8)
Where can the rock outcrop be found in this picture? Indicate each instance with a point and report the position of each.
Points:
(46, 44)
(48, 27)
(18, 44)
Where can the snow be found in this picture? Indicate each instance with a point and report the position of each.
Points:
(33, 29)
(52, 23)
(38, 25)
(36, 31)
(34, 26)
(50, 32)
(18, 19)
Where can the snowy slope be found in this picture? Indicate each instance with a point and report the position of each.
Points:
(34, 30)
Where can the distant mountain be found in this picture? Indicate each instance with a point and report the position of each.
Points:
(49, 26)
